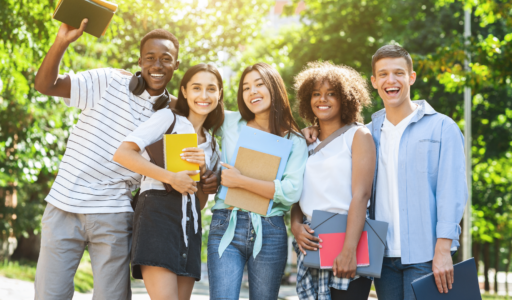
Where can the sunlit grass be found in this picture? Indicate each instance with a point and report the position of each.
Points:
(26, 270)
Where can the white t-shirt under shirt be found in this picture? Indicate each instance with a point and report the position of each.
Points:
(88, 180)
(153, 130)
(328, 176)
(387, 208)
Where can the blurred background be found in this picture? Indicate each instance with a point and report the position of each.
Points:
(286, 34)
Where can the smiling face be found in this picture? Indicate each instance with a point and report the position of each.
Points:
(325, 103)
(393, 81)
(158, 63)
(256, 95)
(202, 93)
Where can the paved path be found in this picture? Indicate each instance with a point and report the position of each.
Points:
(13, 289)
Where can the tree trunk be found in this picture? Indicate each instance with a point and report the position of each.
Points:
(487, 257)
(496, 263)
(476, 254)
(509, 256)
(28, 248)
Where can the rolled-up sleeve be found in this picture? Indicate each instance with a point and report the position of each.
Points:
(289, 188)
(452, 189)
(152, 129)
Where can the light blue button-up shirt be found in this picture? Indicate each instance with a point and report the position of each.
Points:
(287, 190)
(432, 187)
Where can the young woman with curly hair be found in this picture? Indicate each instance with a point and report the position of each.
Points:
(338, 178)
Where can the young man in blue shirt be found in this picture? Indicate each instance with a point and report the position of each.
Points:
(420, 184)
(420, 188)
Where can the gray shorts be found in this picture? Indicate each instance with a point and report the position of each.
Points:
(63, 241)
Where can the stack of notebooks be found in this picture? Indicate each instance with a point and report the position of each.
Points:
(259, 155)
(98, 12)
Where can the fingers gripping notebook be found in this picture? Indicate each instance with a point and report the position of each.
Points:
(257, 165)
(173, 147)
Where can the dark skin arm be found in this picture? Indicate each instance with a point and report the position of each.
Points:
(48, 81)
(363, 168)
(302, 232)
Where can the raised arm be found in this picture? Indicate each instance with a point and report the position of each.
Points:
(48, 81)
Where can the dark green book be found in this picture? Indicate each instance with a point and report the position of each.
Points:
(72, 12)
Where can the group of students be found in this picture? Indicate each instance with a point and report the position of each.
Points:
(405, 168)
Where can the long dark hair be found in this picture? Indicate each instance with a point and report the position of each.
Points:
(281, 119)
(215, 118)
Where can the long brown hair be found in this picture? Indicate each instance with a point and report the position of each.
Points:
(215, 118)
(281, 119)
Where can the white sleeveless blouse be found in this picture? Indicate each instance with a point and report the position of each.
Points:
(328, 176)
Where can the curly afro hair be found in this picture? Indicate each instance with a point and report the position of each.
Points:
(350, 87)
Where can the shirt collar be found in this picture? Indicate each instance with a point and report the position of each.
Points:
(423, 109)
(146, 96)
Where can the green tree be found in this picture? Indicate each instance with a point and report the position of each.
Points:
(34, 128)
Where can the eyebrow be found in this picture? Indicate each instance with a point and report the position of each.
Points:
(165, 53)
(254, 80)
(197, 83)
(395, 69)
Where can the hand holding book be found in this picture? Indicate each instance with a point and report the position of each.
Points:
(69, 34)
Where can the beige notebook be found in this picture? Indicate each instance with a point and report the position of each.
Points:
(257, 165)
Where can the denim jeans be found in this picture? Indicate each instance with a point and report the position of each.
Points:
(265, 271)
(395, 280)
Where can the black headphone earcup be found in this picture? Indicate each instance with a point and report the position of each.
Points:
(161, 102)
(137, 84)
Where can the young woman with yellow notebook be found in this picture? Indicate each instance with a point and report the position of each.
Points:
(166, 246)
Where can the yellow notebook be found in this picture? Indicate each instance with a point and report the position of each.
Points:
(173, 147)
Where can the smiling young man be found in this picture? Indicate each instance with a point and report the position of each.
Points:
(420, 186)
(89, 202)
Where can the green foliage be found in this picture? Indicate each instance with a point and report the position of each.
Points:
(26, 270)
(34, 128)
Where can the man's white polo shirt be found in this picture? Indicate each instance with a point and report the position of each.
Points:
(88, 180)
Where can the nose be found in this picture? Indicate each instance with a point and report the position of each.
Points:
(391, 78)
(253, 89)
(158, 63)
(203, 95)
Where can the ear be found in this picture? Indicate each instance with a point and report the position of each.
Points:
(412, 78)
(220, 93)
(140, 62)
(184, 91)
(374, 82)
(177, 65)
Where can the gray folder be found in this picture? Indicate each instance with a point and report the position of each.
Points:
(328, 222)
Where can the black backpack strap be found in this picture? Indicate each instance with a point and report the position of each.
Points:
(171, 128)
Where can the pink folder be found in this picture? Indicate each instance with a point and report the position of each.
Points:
(332, 244)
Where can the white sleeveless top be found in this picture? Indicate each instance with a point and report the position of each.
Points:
(328, 176)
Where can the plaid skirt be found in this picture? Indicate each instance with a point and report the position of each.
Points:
(316, 284)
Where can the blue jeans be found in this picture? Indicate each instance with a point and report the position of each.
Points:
(265, 271)
(395, 280)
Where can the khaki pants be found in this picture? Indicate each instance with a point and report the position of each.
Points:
(64, 237)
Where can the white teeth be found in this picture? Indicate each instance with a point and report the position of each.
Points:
(323, 107)
(157, 75)
(256, 100)
(202, 103)
(392, 89)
